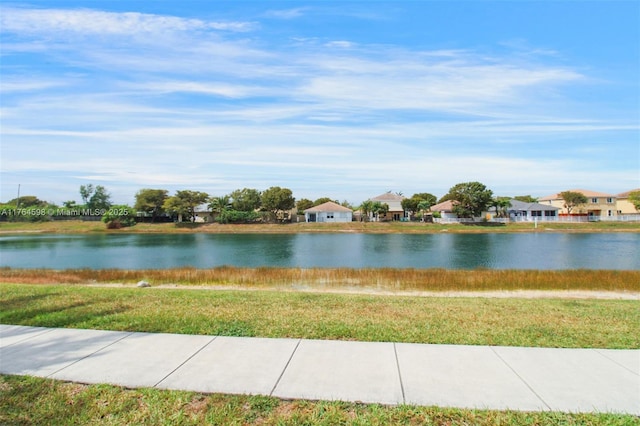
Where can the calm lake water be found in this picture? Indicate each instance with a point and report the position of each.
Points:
(455, 251)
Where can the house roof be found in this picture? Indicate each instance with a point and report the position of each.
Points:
(626, 194)
(388, 196)
(522, 206)
(585, 192)
(329, 206)
(445, 206)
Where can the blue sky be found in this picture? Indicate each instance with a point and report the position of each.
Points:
(340, 99)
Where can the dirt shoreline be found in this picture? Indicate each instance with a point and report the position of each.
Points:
(489, 294)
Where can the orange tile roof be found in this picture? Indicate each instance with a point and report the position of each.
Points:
(329, 206)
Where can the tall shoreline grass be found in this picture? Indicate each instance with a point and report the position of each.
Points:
(435, 280)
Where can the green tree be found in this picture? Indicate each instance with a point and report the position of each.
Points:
(366, 208)
(424, 206)
(277, 201)
(100, 200)
(28, 201)
(425, 196)
(379, 209)
(151, 201)
(85, 193)
(572, 200)
(501, 205)
(412, 204)
(526, 198)
(245, 200)
(185, 202)
(95, 198)
(634, 198)
(219, 205)
(322, 200)
(303, 204)
(471, 199)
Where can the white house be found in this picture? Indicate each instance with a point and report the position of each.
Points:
(521, 211)
(328, 212)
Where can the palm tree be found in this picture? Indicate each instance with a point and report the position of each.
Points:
(366, 207)
(220, 204)
(423, 206)
(501, 204)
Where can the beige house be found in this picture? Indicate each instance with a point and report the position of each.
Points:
(598, 205)
(394, 201)
(445, 209)
(328, 212)
(623, 205)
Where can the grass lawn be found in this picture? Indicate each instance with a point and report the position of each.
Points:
(473, 321)
(270, 313)
(78, 226)
(36, 401)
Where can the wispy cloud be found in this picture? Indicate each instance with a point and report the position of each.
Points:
(286, 13)
(86, 21)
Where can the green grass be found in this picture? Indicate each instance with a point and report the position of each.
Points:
(78, 226)
(36, 401)
(474, 321)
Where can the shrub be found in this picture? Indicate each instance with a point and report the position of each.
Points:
(119, 217)
(237, 216)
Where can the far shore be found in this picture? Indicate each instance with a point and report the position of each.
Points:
(92, 227)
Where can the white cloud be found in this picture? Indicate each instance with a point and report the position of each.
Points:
(286, 13)
(85, 21)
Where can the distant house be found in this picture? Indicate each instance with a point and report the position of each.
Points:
(521, 211)
(328, 212)
(445, 209)
(598, 205)
(623, 205)
(394, 201)
(203, 214)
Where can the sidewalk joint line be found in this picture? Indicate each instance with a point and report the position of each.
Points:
(617, 363)
(186, 360)
(45, 331)
(395, 351)
(285, 368)
(521, 378)
(91, 354)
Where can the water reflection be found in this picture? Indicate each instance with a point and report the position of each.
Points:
(455, 251)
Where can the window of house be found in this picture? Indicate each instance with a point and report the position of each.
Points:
(549, 213)
(609, 200)
(594, 200)
(536, 213)
(609, 213)
(329, 215)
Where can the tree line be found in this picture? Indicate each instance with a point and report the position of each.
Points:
(469, 199)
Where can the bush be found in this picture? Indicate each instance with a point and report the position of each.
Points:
(236, 216)
(119, 217)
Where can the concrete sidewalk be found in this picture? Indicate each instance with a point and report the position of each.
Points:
(489, 377)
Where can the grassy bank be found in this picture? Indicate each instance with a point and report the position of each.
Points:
(474, 321)
(77, 226)
(29, 401)
(388, 279)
